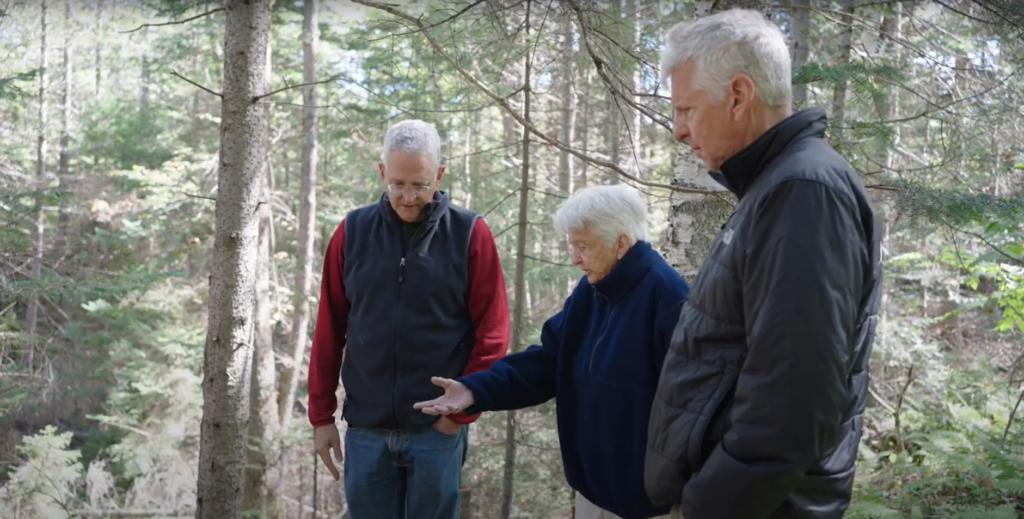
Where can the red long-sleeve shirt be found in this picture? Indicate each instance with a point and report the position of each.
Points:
(488, 310)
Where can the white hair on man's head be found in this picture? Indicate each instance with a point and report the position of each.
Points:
(606, 210)
(413, 136)
(728, 42)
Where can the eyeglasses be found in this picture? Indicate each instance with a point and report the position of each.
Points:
(408, 191)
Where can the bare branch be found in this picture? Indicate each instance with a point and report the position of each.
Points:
(289, 87)
(175, 22)
(175, 73)
(457, 14)
(512, 112)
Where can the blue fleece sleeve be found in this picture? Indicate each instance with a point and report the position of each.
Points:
(521, 379)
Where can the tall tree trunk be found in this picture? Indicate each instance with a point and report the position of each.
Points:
(263, 413)
(839, 89)
(634, 122)
(144, 77)
(98, 63)
(694, 219)
(508, 479)
(64, 164)
(583, 123)
(799, 35)
(886, 102)
(307, 214)
(227, 360)
(566, 120)
(468, 171)
(99, 47)
(32, 310)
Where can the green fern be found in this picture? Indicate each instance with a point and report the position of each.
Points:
(1013, 487)
(1000, 512)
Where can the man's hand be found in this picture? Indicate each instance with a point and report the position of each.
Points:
(447, 426)
(457, 397)
(326, 440)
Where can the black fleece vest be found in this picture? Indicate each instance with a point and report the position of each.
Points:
(408, 316)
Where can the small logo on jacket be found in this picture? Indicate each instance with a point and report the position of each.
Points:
(727, 236)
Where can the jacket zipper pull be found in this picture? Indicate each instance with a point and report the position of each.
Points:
(401, 270)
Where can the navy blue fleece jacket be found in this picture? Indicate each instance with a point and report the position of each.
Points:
(600, 358)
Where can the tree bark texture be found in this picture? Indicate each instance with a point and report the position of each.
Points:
(227, 360)
(263, 413)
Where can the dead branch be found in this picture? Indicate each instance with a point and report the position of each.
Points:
(1009, 421)
(457, 14)
(897, 413)
(439, 49)
(175, 22)
(290, 87)
(175, 73)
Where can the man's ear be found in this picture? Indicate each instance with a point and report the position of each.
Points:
(380, 166)
(440, 173)
(741, 92)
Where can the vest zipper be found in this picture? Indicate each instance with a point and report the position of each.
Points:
(394, 384)
(398, 313)
(604, 330)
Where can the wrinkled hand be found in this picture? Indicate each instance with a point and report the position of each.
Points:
(327, 440)
(457, 397)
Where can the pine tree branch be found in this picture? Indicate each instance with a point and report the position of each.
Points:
(503, 104)
(175, 22)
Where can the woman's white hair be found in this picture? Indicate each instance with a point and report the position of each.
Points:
(606, 210)
(730, 42)
(413, 136)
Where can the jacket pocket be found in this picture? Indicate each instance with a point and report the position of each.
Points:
(712, 417)
(689, 393)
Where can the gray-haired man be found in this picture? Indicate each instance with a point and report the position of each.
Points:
(412, 287)
(759, 405)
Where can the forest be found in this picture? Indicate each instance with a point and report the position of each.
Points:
(135, 144)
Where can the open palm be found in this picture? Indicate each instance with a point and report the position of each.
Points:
(457, 397)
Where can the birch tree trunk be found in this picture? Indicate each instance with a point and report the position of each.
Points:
(694, 219)
(227, 359)
(307, 214)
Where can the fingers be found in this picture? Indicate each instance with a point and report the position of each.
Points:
(337, 452)
(325, 457)
(439, 409)
(441, 382)
(428, 403)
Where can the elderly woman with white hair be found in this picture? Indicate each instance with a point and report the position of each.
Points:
(599, 357)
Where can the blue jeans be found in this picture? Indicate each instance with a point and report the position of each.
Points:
(403, 474)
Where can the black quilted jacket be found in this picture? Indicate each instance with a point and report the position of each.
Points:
(758, 412)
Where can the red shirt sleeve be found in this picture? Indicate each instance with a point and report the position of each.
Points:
(329, 334)
(488, 307)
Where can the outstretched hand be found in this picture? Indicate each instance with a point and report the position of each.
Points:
(457, 397)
